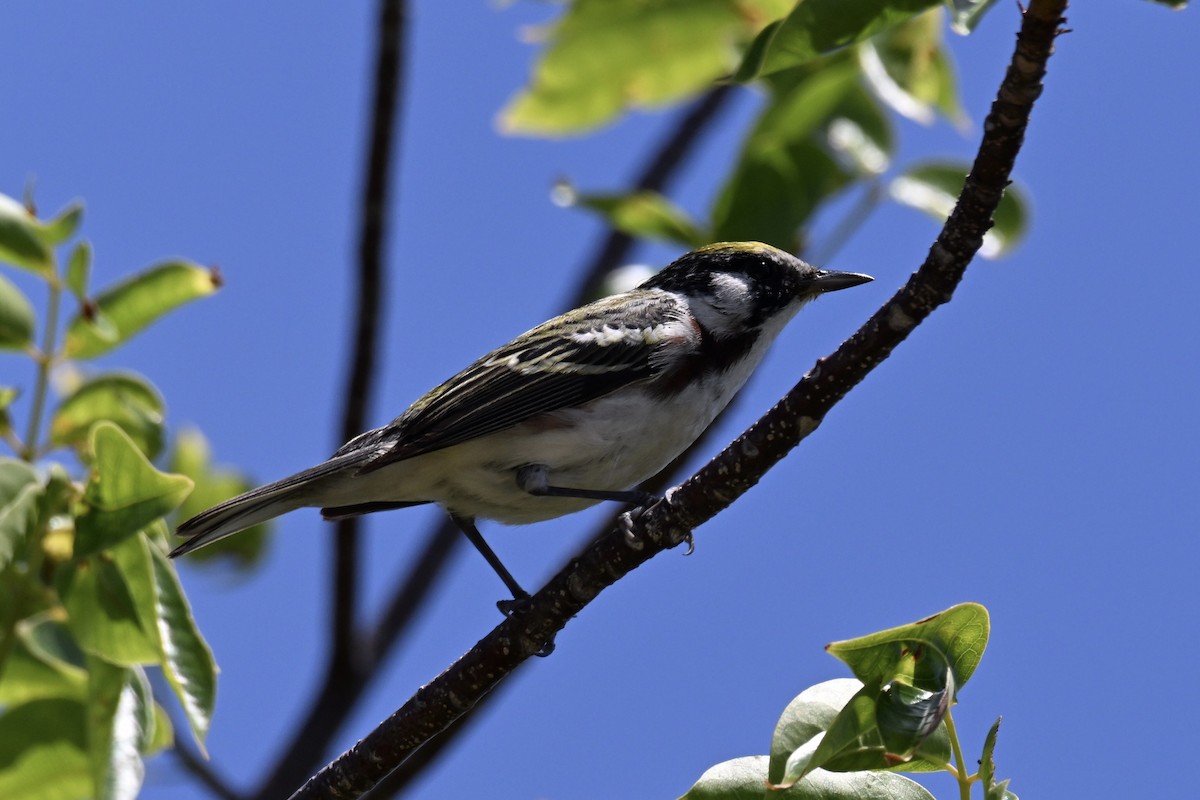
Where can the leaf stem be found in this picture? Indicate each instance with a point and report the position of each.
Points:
(962, 774)
(45, 360)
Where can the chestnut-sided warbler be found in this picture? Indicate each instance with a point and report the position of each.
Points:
(580, 409)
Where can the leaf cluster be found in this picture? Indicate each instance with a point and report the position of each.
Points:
(850, 737)
(90, 607)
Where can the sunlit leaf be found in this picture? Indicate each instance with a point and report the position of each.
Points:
(992, 789)
(110, 602)
(17, 319)
(807, 717)
(934, 189)
(21, 243)
(125, 492)
(187, 659)
(43, 750)
(79, 270)
(957, 636)
(120, 724)
(126, 399)
(860, 133)
(744, 779)
(131, 305)
(606, 56)
(644, 214)
(819, 27)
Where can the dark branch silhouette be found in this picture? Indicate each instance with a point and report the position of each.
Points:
(345, 669)
(458, 690)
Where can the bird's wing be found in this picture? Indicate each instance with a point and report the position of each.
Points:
(541, 371)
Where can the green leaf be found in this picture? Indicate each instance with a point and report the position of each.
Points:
(808, 716)
(21, 243)
(934, 188)
(605, 56)
(647, 215)
(860, 134)
(744, 778)
(909, 70)
(33, 670)
(125, 492)
(784, 171)
(992, 790)
(124, 398)
(855, 740)
(966, 14)
(110, 602)
(164, 733)
(17, 320)
(20, 491)
(126, 308)
(191, 457)
(62, 227)
(819, 27)
(957, 636)
(120, 726)
(187, 659)
(79, 270)
(43, 751)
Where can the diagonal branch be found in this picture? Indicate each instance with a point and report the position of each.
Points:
(455, 692)
(345, 668)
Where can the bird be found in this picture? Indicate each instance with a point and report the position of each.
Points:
(579, 410)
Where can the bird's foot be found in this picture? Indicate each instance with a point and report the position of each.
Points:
(519, 605)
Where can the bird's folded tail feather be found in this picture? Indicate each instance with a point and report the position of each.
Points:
(261, 504)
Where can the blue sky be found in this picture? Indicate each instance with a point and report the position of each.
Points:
(1032, 447)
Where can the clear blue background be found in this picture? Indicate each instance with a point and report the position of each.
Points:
(1032, 447)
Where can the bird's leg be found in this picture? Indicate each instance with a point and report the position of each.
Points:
(467, 526)
(520, 596)
(535, 479)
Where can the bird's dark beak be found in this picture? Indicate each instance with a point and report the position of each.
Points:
(830, 280)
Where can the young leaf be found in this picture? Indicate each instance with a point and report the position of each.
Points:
(125, 492)
(17, 319)
(934, 188)
(957, 636)
(992, 790)
(21, 243)
(124, 398)
(131, 305)
(62, 227)
(818, 27)
(187, 659)
(79, 270)
(43, 744)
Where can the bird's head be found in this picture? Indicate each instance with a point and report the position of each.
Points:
(736, 287)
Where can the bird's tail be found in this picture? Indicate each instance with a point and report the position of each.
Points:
(259, 505)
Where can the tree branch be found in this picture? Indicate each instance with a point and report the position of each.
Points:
(345, 670)
(457, 690)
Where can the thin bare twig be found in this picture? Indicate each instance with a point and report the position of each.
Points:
(457, 690)
(345, 670)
